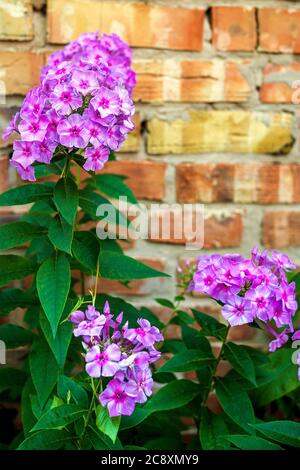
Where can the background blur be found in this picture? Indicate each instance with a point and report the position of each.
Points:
(217, 115)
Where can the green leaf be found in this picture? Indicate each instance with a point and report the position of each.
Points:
(109, 426)
(90, 201)
(66, 199)
(61, 234)
(240, 360)
(114, 187)
(236, 403)
(40, 248)
(102, 442)
(15, 336)
(86, 248)
(28, 418)
(66, 385)
(212, 431)
(11, 378)
(12, 298)
(53, 285)
(172, 396)
(123, 268)
(26, 194)
(285, 432)
(209, 325)
(17, 234)
(193, 340)
(187, 360)
(165, 303)
(276, 378)
(60, 344)
(44, 369)
(252, 443)
(59, 416)
(51, 439)
(14, 267)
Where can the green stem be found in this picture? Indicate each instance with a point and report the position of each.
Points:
(214, 370)
(90, 410)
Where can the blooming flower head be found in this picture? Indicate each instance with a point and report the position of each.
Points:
(121, 353)
(83, 102)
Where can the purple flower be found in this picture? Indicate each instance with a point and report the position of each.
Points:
(24, 153)
(12, 126)
(296, 335)
(90, 327)
(283, 261)
(77, 317)
(103, 363)
(45, 150)
(106, 102)
(64, 99)
(146, 334)
(84, 81)
(205, 280)
(140, 386)
(72, 132)
(278, 342)
(25, 173)
(116, 398)
(260, 302)
(96, 158)
(95, 132)
(33, 128)
(238, 311)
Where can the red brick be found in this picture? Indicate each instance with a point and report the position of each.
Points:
(262, 183)
(20, 71)
(145, 178)
(221, 230)
(190, 81)
(281, 83)
(279, 30)
(281, 229)
(233, 28)
(3, 174)
(139, 24)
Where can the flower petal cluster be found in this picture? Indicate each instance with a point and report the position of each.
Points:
(83, 102)
(251, 289)
(121, 353)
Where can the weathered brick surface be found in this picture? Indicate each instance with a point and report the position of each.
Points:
(222, 131)
(145, 178)
(268, 183)
(233, 28)
(191, 81)
(281, 83)
(16, 20)
(281, 229)
(141, 25)
(20, 71)
(279, 29)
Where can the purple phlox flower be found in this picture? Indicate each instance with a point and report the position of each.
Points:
(53, 121)
(277, 343)
(12, 126)
(96, 158)
(65, 99)
(286, 294)
(296, 335)
(283, 261)
(95, 132)
(103, 363)
(146, 334)
(72, 132)
(24, 153)
(106, 102)
(25, 173)
(45, 150)
(205, 280)
(262, 259)
(90, 328)
(140, 386)
(281, 316)
(140, 359)
(77, 317)
(33, 129)
(116, 398)
(125, 102)
(260, 302)
(91, 313)
(33, 104)
(238, 311)
(84, 81)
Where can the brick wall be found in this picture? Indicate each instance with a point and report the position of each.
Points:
(215, 122)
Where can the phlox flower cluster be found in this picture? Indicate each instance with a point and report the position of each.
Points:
(119, 353)
(251, 289)
(83, 102)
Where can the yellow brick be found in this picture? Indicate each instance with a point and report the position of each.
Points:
(16, 20)
(20, 71)
(222, 131)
